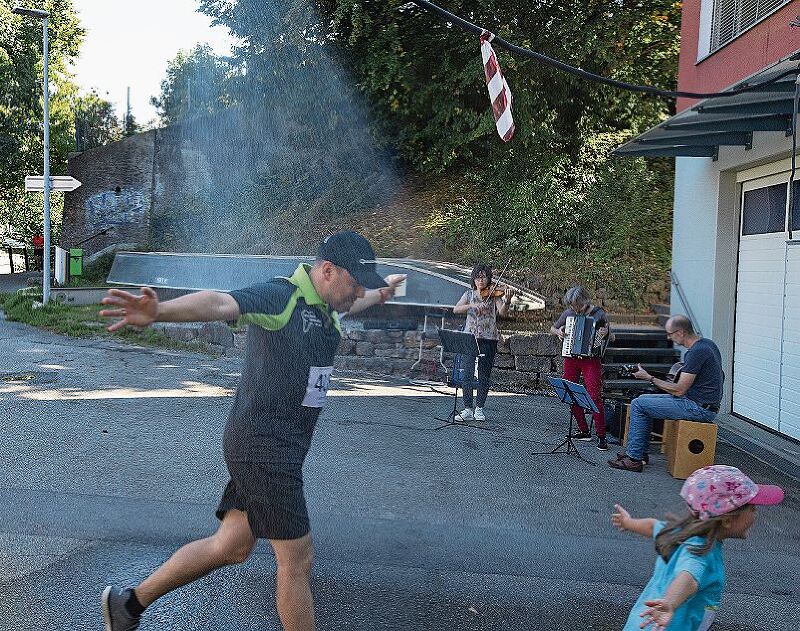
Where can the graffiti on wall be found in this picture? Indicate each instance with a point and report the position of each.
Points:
(117, 207)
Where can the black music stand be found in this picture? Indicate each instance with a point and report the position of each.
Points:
(572, 394)
(462, 344)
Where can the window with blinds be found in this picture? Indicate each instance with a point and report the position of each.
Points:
(733, 17)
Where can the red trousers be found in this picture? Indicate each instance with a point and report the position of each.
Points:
(592, 370)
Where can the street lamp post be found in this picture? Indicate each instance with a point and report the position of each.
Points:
(43, 15)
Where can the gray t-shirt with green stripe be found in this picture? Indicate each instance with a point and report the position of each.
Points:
(291, 342)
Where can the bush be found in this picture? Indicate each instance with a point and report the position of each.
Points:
(597, 219)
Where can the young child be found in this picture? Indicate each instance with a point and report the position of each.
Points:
(686, 587)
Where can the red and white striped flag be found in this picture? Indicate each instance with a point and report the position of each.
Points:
(499, 92)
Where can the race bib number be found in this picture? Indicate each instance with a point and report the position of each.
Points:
(319, 378)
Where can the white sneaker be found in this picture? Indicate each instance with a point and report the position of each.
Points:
(479, 415)
(465, 415)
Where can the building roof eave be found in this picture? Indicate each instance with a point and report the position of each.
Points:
(711, 123)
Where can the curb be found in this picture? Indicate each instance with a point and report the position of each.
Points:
(760, 446)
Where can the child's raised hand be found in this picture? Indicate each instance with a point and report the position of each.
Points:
(658, 614)
(620, 517)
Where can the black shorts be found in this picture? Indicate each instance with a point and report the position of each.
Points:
(271, 495)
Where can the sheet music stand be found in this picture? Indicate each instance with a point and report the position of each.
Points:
(463, 344)
(571, 394)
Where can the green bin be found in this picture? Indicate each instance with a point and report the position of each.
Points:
(75, 262)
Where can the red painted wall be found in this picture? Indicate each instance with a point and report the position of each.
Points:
(767, 42)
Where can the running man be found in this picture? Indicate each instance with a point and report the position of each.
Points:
(293, 335)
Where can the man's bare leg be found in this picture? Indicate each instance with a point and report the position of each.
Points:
(293, 591)
(232, 543)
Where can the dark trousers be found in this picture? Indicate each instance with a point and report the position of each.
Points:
(488, 349)
(592, 370)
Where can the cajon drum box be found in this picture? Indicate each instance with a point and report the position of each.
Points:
(669, 435)
(693, 445)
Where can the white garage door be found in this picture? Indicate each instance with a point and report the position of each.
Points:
(766, 359)
(789, 422)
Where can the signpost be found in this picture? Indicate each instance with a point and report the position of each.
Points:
(36, 183)
(65, 183)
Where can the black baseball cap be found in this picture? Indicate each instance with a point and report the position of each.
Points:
(351, 251)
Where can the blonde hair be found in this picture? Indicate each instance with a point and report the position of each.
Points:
(678, 530)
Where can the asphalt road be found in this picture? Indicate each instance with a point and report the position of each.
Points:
(111, 459)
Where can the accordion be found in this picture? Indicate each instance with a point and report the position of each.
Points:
(582, 337)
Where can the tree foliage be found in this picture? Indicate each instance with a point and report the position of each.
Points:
(96, 123)
(425, 80)
(130, 125)
(21, 106)
(554, 193)
(197, 83)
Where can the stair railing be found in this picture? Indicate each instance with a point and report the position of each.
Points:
(674, 280)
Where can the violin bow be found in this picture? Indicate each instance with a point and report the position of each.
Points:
(497, 282)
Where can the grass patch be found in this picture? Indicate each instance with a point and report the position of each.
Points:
(84, 321)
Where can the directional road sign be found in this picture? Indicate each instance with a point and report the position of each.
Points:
(57, 183)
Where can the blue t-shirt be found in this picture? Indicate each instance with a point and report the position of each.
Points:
(697, 613)
(704, 361)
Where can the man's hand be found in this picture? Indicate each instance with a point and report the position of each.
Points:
(393, 280)
(134, 310)
(560, 333)
(620, 518)
(659, 613)
(642, 374)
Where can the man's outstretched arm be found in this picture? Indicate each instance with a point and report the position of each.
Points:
(378, 296)
(203, 306)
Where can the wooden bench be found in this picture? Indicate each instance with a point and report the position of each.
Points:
(655, 435)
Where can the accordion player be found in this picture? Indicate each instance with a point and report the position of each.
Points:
(582, 337)
(584, 331)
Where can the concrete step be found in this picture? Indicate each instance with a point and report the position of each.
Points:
(660, 309)
(655, 338)
(629, 355)
(637, 328)
(625, 389)
(633, 318)
(617, 369)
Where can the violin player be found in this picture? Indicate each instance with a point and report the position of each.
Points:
(482, 304)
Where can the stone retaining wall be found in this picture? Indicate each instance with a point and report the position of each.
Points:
(657, 291)
(523, 361)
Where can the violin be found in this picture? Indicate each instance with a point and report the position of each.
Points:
(498, 291)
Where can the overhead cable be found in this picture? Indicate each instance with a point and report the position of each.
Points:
(525, 52)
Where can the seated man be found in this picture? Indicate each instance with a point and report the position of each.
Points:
(694, 396)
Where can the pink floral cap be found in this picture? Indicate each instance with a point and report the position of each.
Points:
(720, 489)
